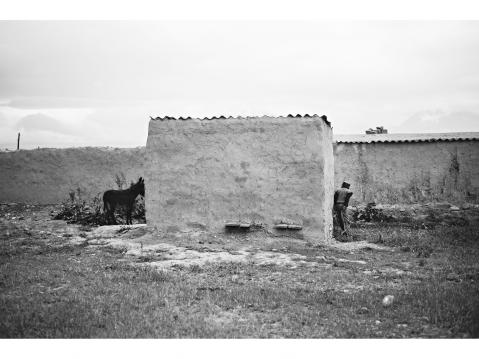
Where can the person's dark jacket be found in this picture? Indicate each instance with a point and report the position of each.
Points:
(342, 196)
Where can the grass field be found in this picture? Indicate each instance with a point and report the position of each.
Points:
(51, 287)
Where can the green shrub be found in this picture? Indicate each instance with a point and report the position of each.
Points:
(79, 211)
(370, 214)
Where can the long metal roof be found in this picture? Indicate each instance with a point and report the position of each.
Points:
(298, 116)
(407, 137)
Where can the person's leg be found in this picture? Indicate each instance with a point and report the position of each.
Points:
(345, 220)
(340, 217)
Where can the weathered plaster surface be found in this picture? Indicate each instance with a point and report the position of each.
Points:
(387, 173)
(410, 172)
(48, 175)
(262, 170)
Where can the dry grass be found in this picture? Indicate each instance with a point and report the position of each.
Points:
(86, 291)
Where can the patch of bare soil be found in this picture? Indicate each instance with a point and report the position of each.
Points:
(145, 247)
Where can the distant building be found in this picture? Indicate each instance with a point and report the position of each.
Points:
(378, 130)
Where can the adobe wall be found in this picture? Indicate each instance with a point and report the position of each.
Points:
(386, 173)
(47, 175)
(409, 172)
(256, 169)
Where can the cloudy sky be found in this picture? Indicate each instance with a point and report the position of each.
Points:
(87, 83)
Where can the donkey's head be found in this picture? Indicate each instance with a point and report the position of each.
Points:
(139, 187)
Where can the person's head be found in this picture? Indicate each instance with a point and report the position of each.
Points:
(345, 185)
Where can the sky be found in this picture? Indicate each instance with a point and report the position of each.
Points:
(87, 83)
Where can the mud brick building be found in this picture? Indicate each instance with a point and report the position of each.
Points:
(241, 173)
(384, 168)
(409, 168)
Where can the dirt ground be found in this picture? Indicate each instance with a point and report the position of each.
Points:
(64, 280)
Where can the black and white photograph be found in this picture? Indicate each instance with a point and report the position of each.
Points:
(239, 178)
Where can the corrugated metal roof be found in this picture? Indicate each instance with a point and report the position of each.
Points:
(407, 137)
(323, 117)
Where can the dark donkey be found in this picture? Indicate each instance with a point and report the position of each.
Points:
(125, 198)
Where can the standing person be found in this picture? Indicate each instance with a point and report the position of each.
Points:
(341, 202)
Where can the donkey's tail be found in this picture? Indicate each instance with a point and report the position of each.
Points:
(106, 206)
(105, 203)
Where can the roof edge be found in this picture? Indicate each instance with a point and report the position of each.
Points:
(170, 118)
(410, 141)
(407, 137)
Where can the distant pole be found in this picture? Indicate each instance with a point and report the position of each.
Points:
(18, 141)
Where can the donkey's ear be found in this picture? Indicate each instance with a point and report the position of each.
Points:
(140, 179)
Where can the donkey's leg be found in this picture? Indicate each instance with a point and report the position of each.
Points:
(129, 209)
(112, 213)
(107, 217)
(106, 211)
